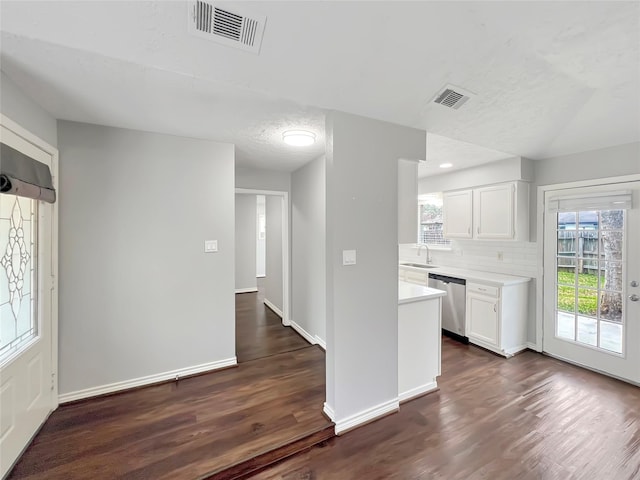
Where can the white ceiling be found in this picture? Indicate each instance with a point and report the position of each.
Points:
(460, 154)
(551, 78)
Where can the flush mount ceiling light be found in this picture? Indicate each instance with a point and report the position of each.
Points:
(446, 165)
(299, 138)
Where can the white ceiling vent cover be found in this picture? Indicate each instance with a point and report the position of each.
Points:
(231, 26)
(452, 97)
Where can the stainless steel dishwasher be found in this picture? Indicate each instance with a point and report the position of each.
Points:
(453, 305)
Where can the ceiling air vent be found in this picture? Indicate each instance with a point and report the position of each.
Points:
(233, 27)
(452, 97)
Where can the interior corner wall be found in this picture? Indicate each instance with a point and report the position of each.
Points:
(308, 215)
(245, 246)
(138, 295)
(362, 299)
(17, 106)
(273, 262)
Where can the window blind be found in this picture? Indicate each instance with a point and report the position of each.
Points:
(611, 200)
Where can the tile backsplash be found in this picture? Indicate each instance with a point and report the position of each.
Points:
(508, 257)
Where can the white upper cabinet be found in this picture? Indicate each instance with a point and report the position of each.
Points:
(496, 212)
(457, 213)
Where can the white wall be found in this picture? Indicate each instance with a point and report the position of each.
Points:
(407, 201)
(21, 109)
(261, 179)
(362, 299)
(261, 248)
(245, 246)
(273, 279)
(308, 286)
(138, 295)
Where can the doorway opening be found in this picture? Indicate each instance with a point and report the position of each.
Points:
(262, 276)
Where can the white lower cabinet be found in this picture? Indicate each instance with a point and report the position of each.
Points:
(496, 317)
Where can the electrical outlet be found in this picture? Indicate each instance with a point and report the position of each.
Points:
(500, 256)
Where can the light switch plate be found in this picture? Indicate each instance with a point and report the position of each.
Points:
(210, 246)
(348, 257)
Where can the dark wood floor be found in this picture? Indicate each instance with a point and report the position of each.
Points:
(259, 331)
(183, 430)
(530, 417)
(208, 426)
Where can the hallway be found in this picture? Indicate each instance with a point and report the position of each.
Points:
(259, 331)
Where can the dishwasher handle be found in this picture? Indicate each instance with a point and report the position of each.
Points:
(446, 279)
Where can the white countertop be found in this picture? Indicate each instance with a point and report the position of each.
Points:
(412, 292)
(497, 279)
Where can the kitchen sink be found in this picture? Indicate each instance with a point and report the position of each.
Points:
(417, 265)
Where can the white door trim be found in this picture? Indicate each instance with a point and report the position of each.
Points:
(286, 319)
(542, 190)
(42, 145)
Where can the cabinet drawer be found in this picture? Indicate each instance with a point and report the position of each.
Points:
(483, 289)
(415, 277)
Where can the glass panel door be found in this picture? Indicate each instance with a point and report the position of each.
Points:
(591, 288)
(28, 391)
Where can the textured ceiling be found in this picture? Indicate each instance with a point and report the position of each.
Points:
(550, 78)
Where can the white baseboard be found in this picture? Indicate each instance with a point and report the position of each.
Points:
(329, 412)
(148, 380)
(416, 392)
(246, 290)
(512, 351)
(306, 335)
(533, 347)
(321, 342)
(275, 309)
(366, 416)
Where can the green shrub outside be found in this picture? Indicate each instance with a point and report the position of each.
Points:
(587, 298)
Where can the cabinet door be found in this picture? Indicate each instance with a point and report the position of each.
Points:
(495, 211)
(482, 319)
(457, 211)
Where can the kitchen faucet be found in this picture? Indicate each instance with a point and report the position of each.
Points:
(420, 245)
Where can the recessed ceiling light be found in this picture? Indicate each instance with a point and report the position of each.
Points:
(446, 165)
(299, 138)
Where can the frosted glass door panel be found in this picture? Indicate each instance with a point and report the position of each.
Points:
(18, 276)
